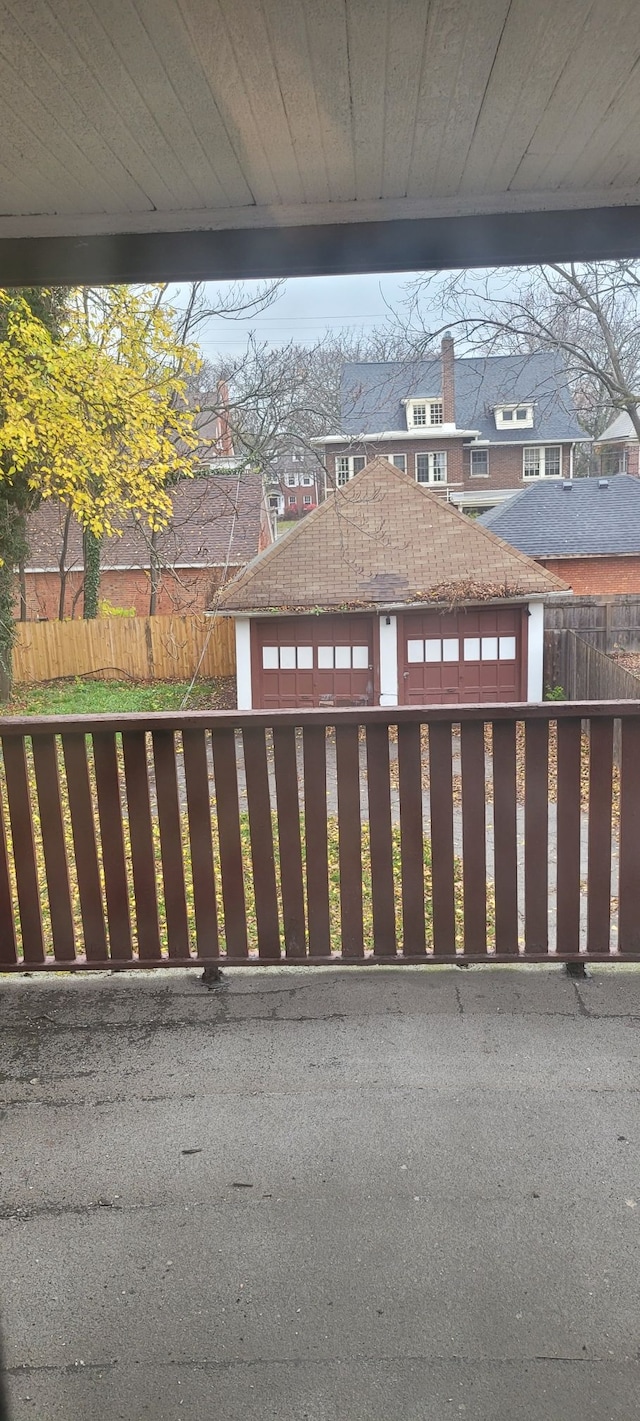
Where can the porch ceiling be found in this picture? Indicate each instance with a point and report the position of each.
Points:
(171, 125)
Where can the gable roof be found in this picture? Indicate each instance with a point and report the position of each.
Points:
(620, 428)
(384, 540)
(372, 392)
(214, 517)
(588, 518)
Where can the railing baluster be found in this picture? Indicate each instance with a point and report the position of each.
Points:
(136, 774)
(261, 831)
(629, 889)
(105, 759)
(8, 945)
(231, 865)
(382, 885)
(24, 854)
(350, 840)
(196, 774)
(599, 862)
(474, 837)
(45, 760)
(83, 831)
(505, 843)
(164, 759)
(411, 840)
(442, 861)
(568, 881)
(315, 838)
(536, 836)
(288, 803)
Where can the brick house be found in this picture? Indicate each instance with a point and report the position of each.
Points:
(294, 482)
(586, 532)
(472, 429)
(619, 448)
(219, 522)
(388, 595)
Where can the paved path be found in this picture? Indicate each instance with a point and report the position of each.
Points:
(351, 1195)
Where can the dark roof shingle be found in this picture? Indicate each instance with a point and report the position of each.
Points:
(587, 518)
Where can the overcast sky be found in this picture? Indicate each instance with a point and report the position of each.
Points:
(307, 308)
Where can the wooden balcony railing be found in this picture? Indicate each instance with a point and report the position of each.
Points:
(452, 834)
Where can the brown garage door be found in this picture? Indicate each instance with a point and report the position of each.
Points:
(472, 656)
(312, 661)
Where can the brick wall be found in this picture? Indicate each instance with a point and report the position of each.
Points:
(505, 461)
(184, 591)
(597, 575)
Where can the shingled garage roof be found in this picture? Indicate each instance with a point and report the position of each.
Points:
(583, 518)
(383, 540)
(215, 518)
(372, 394)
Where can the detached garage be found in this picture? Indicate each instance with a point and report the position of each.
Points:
(386, 595)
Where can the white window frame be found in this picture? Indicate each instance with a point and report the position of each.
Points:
(541, 451)
(423, 414)
(292, 501)
(306, 480)
(474, 473)
(402, 466)
(307, 500)
(342, 476)
(431, 457)
(291, 480)
(510, 416)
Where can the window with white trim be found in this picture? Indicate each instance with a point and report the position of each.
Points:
(292, 500)
(287, 658)
(613, 460)
(306, 479)
(479, 463)
(508, 415)
(542, 462)
(431, 468)
(399, 461)
(307, 500)
(291, 480)
(346, 466)
(422, 413)
(490, 648)
(343, 658)
(274, 502)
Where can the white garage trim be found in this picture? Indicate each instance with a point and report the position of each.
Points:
(243, 663)
(388, 627)
(536, 652)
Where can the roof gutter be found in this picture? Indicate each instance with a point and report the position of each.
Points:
(384, 607)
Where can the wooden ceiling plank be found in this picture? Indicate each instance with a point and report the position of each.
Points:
(286, 22)
(367, 42)
(614, 147)
(534, 47)
(89, 66)
(326, 28)
(406, 37)
(135, 46)
(221, 64)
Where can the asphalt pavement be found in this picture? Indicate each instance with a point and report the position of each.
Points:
(321, 1195)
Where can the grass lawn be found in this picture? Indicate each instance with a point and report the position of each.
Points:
(87, 697)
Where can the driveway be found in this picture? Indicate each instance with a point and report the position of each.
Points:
(344, 1195)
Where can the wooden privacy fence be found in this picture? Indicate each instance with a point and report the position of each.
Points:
(112, 648)
(444, 835)
(584, 672)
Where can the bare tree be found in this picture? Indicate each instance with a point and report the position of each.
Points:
(588, 313)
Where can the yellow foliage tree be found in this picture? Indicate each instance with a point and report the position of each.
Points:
(96, 416)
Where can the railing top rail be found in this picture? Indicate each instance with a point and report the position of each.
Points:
(365, 715)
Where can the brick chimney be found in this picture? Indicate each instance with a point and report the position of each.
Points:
(448, 379)
(224, 435)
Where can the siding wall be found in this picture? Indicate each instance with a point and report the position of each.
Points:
(505, 461)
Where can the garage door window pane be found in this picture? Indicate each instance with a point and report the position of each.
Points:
(325, 658)
(343, 658)
(472, 648)
(270, 658)
(433, 650)
(507, 648)
(450, 648)
(415, 651)
(489, 648)
(305, 658)
(287, 658)
(360, 655)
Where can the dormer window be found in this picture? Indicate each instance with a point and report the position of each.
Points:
(423, 413)
(510, 416)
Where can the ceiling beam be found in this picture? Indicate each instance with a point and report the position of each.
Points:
(502, 239)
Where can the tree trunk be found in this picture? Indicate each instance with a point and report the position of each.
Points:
(91, 581)
(62, 565)
(22, 575)
(154, 573)
(13, 551)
